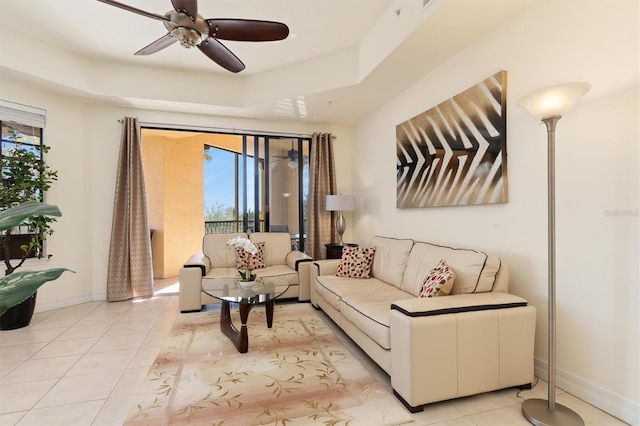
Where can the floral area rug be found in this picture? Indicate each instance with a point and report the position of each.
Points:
(296, 373)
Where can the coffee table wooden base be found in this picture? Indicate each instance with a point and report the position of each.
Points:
(240, 338)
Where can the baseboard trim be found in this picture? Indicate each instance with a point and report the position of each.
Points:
(616, 405)
(64, 302)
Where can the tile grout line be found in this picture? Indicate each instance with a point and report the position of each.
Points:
(69, 369)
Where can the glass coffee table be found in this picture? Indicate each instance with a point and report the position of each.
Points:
(228, 290)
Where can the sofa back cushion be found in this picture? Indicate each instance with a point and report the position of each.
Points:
(390, 259)
(277, 245)
(475, 271)
(214, 246)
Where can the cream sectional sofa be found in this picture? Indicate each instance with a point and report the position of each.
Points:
(217, 261)
(477, 339)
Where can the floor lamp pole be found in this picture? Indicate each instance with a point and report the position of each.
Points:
(550, 122)
(542, 412)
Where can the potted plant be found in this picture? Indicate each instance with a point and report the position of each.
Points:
(25, 177)
(246, 249)
(18, 287)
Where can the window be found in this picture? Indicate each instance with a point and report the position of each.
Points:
(257, 183)
(25, 176)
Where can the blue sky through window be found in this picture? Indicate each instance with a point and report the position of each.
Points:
(219, 179)
(219, 182)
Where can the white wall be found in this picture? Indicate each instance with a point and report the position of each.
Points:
(85, 141)
(71, 243)
(597, 186)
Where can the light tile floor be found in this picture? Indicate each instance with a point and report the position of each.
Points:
(82, 365)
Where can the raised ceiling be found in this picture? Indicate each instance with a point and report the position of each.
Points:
(342, 60)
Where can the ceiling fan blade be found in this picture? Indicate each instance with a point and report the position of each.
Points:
(189, 7)
(134, 10)
(247, 30)
(219, 53)
(164, 41)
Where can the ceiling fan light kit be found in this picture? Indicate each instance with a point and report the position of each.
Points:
(186, 26)
(187, 31)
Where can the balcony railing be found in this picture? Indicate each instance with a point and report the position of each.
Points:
(226, 226)
(230, 226)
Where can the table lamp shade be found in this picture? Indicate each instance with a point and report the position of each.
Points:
(340, 203)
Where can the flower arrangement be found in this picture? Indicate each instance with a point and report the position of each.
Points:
(250, 249)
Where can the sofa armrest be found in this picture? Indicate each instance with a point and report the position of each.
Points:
(300, 262)
(295, 257)
(327, 267)
(190, 289)
(317, 268)
(199, 261)
(457, 303)
(304, 275)
(479, 342)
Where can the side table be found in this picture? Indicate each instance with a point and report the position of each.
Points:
(334, 251)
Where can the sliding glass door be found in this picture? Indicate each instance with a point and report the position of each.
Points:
(257, 183)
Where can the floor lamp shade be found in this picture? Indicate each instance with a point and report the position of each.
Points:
(340, 203)
(554, 100)
(549, 104)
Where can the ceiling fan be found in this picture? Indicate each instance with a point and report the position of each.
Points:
(291, 157)
(190, 29)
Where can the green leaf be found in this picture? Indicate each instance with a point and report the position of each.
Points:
(17, 287)
(14, 216)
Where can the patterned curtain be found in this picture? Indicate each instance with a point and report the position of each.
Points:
(322, 182)
(130, 272)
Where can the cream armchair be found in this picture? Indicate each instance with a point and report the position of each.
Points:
(217, 261)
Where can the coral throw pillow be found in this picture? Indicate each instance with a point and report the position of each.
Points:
(439, 281)
(257, 260)
(356, 262)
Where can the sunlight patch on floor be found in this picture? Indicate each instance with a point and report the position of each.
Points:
(168, 290)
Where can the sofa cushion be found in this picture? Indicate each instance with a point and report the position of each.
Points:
(356, 262)
(257, 259)
(439, 281)
(276, 246)
(390, 259)
(281, 271)
(214, 246)
(221, 273)
(370, 311)
(475, 271)
(331, 288)
(365, 303)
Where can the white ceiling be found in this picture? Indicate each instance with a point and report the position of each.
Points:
(393, 42)
(105, 32)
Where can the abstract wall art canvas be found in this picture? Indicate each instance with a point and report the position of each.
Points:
(456, 152)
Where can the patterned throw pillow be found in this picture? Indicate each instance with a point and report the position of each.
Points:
(257, 260)
(439, 281)
(356, 262)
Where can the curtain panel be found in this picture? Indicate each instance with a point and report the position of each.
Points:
(130, 272)
(322, 182)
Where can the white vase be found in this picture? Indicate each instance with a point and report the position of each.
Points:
(247, 284)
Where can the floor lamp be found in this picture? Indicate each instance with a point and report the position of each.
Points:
(340, 203)
(548, 105)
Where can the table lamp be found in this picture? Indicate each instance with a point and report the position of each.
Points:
(340, 203)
